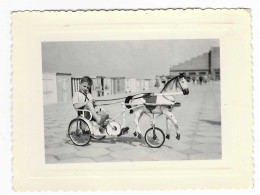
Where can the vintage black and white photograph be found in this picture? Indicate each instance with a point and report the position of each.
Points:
(131, 100)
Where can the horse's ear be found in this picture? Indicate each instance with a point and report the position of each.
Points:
(182, 75)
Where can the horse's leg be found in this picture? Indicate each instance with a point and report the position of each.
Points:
(170, 116)
(167, 128)
(138, 113)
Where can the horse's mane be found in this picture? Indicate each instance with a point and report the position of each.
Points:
(174, 79)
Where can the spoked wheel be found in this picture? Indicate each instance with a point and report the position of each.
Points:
(154, 137)
(79, 132)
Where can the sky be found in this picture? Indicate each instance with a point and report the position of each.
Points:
(139, 59)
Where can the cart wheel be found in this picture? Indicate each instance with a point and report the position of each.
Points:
(154, 137)
(98, 137)
(79, 132)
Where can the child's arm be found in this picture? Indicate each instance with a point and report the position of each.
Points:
(77, 101)
(79, 105)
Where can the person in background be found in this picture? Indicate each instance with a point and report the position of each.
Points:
(193, 80)
(200, 79)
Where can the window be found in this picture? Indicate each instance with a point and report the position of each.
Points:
(217, 75)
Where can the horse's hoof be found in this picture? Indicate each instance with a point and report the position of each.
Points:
(124, 130)
(178, 136)
(139, 135)
(168, 136)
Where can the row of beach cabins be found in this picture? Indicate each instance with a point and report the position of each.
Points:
(60, 87)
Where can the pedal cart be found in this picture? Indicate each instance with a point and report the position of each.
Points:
(82, 129)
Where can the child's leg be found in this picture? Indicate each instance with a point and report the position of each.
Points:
(100, 111)
(100, 120)
(90, 107)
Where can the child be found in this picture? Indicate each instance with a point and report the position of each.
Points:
(82, 99)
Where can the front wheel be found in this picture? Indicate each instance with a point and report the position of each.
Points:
(79, 132)
(154, 137)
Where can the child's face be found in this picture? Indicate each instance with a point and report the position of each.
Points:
(85, 87)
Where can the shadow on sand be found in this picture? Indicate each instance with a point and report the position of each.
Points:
(212, 122)
(133, 141)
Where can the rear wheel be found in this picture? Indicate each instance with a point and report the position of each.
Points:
(154, 137)
(79, 132)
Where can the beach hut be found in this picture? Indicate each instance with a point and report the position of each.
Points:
(138, 85)
(108, 86)
(146, 84)
(118, 84)
(49, 88)
(130, 85)
(63, 81)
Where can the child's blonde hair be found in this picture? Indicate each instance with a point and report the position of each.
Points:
(86, 79)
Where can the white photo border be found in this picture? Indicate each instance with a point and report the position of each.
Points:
(231, 27)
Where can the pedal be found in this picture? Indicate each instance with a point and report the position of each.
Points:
(138, 135)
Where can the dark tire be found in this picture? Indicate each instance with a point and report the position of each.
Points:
(98, 137)
(79, 132)
(154, 137)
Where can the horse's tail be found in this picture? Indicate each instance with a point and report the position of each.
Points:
(127, 100)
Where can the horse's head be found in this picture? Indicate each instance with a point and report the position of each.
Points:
(178, 82)
(182, 83)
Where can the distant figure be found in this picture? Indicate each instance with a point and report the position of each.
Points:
(193, 80)
(197, 80)
(200, 79)
(157, 82)
(205, 79)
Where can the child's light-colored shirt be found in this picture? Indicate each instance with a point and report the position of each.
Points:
(79, 97)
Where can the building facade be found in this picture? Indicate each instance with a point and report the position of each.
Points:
(205, 64)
